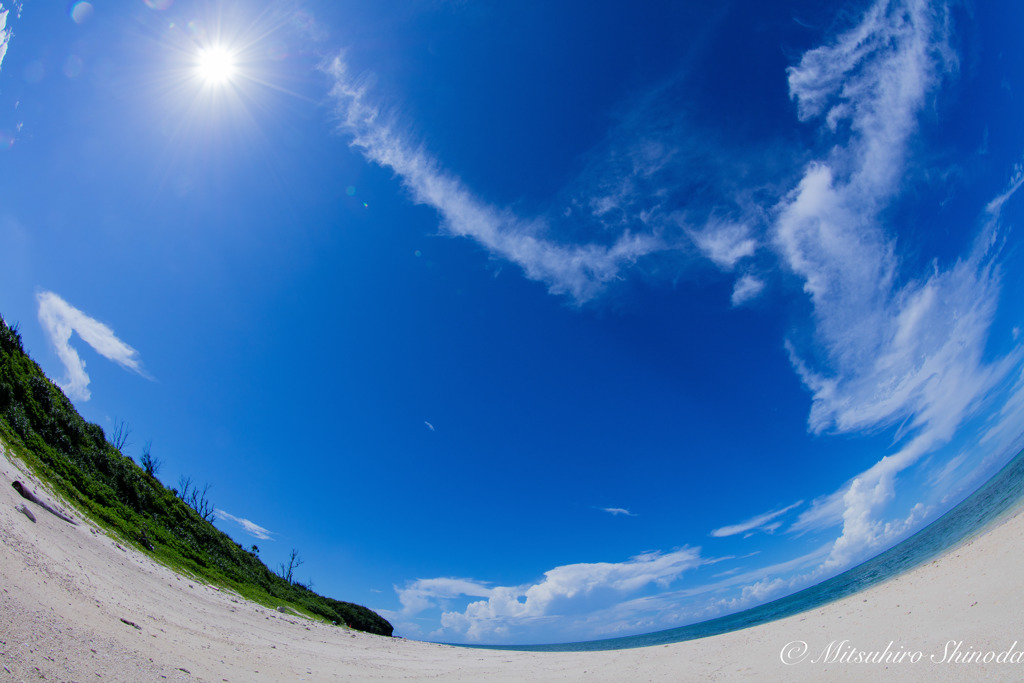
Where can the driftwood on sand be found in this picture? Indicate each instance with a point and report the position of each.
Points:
(29, 496)
(25, 511)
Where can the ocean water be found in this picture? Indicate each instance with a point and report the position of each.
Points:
(993, 501)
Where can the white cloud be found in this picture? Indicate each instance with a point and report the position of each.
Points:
(889, 349)
(761, 591)
(672, 608)
(625, 180)
(928, 373)
(824, 512)
(863, 533)
(876, 77)
(951, 466)
(5, 34)
(725, 243)
(619, 511)
(995, 206)
(758, 522)
(59, 319)
(429, 426)
(565, 593)
(746, 289)
(423, 594)
(248, 526)
(580, 271)
(1006, 430)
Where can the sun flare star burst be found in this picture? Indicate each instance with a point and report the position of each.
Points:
(215, 65)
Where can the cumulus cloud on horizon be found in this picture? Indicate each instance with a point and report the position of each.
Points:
(564, 591)
(59, 319)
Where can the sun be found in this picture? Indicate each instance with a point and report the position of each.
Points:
(215, 65)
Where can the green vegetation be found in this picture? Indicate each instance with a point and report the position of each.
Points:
(43, 428)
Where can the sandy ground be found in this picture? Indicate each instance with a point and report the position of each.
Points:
(77, 606)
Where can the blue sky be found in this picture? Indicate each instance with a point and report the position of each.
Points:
(538, 322)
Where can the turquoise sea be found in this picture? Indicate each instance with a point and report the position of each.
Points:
(993, 501)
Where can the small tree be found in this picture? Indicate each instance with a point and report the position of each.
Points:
(119, 439)
(149, 463)
(196, 498)
(287, 572)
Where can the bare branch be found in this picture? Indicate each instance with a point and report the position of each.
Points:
(287, 572)
(149, 463)
(196, 498)
(119, 439)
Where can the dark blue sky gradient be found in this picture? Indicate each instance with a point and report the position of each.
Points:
(304, 304)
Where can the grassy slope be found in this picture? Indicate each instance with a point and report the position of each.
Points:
(41, 426)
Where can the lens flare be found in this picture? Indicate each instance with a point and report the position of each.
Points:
(81, 12)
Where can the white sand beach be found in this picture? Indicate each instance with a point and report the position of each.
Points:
(77, 606)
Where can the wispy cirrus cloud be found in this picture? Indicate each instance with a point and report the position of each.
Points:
(578, 270)
(1005, 428)
(5, 33)
(618, 511)
(746, 289)
(725, 243)
(655, 185)
(763, 522)
(248, 526)
(874, 79)
(742, 588)
(59, 319)
(890, 349)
